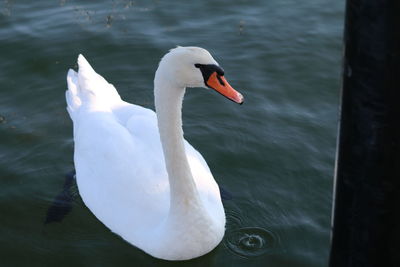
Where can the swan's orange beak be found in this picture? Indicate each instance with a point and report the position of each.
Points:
(221, 85)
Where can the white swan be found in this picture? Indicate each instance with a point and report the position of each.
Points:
(134, 169)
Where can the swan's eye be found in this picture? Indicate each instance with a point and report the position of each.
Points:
(208, 69)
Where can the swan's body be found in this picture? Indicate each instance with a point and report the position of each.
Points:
(170, 208)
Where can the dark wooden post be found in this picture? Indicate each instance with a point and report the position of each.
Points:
(366, 221)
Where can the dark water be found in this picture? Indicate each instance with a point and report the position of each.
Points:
(274, 154)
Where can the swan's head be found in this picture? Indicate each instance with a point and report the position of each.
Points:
(195, 67)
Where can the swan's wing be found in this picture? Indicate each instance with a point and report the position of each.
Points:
(205, 182)
(112, 159)
(124, 112)
(91, 89)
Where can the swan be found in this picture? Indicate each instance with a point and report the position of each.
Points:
(135, 171)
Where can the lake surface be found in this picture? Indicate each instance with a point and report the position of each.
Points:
(274, 154)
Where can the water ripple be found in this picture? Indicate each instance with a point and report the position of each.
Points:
(251, 241)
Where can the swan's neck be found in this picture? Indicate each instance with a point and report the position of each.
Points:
(184, 196)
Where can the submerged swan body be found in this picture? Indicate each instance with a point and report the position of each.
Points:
(134, 169)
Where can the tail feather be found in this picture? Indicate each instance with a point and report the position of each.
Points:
(87, 86)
